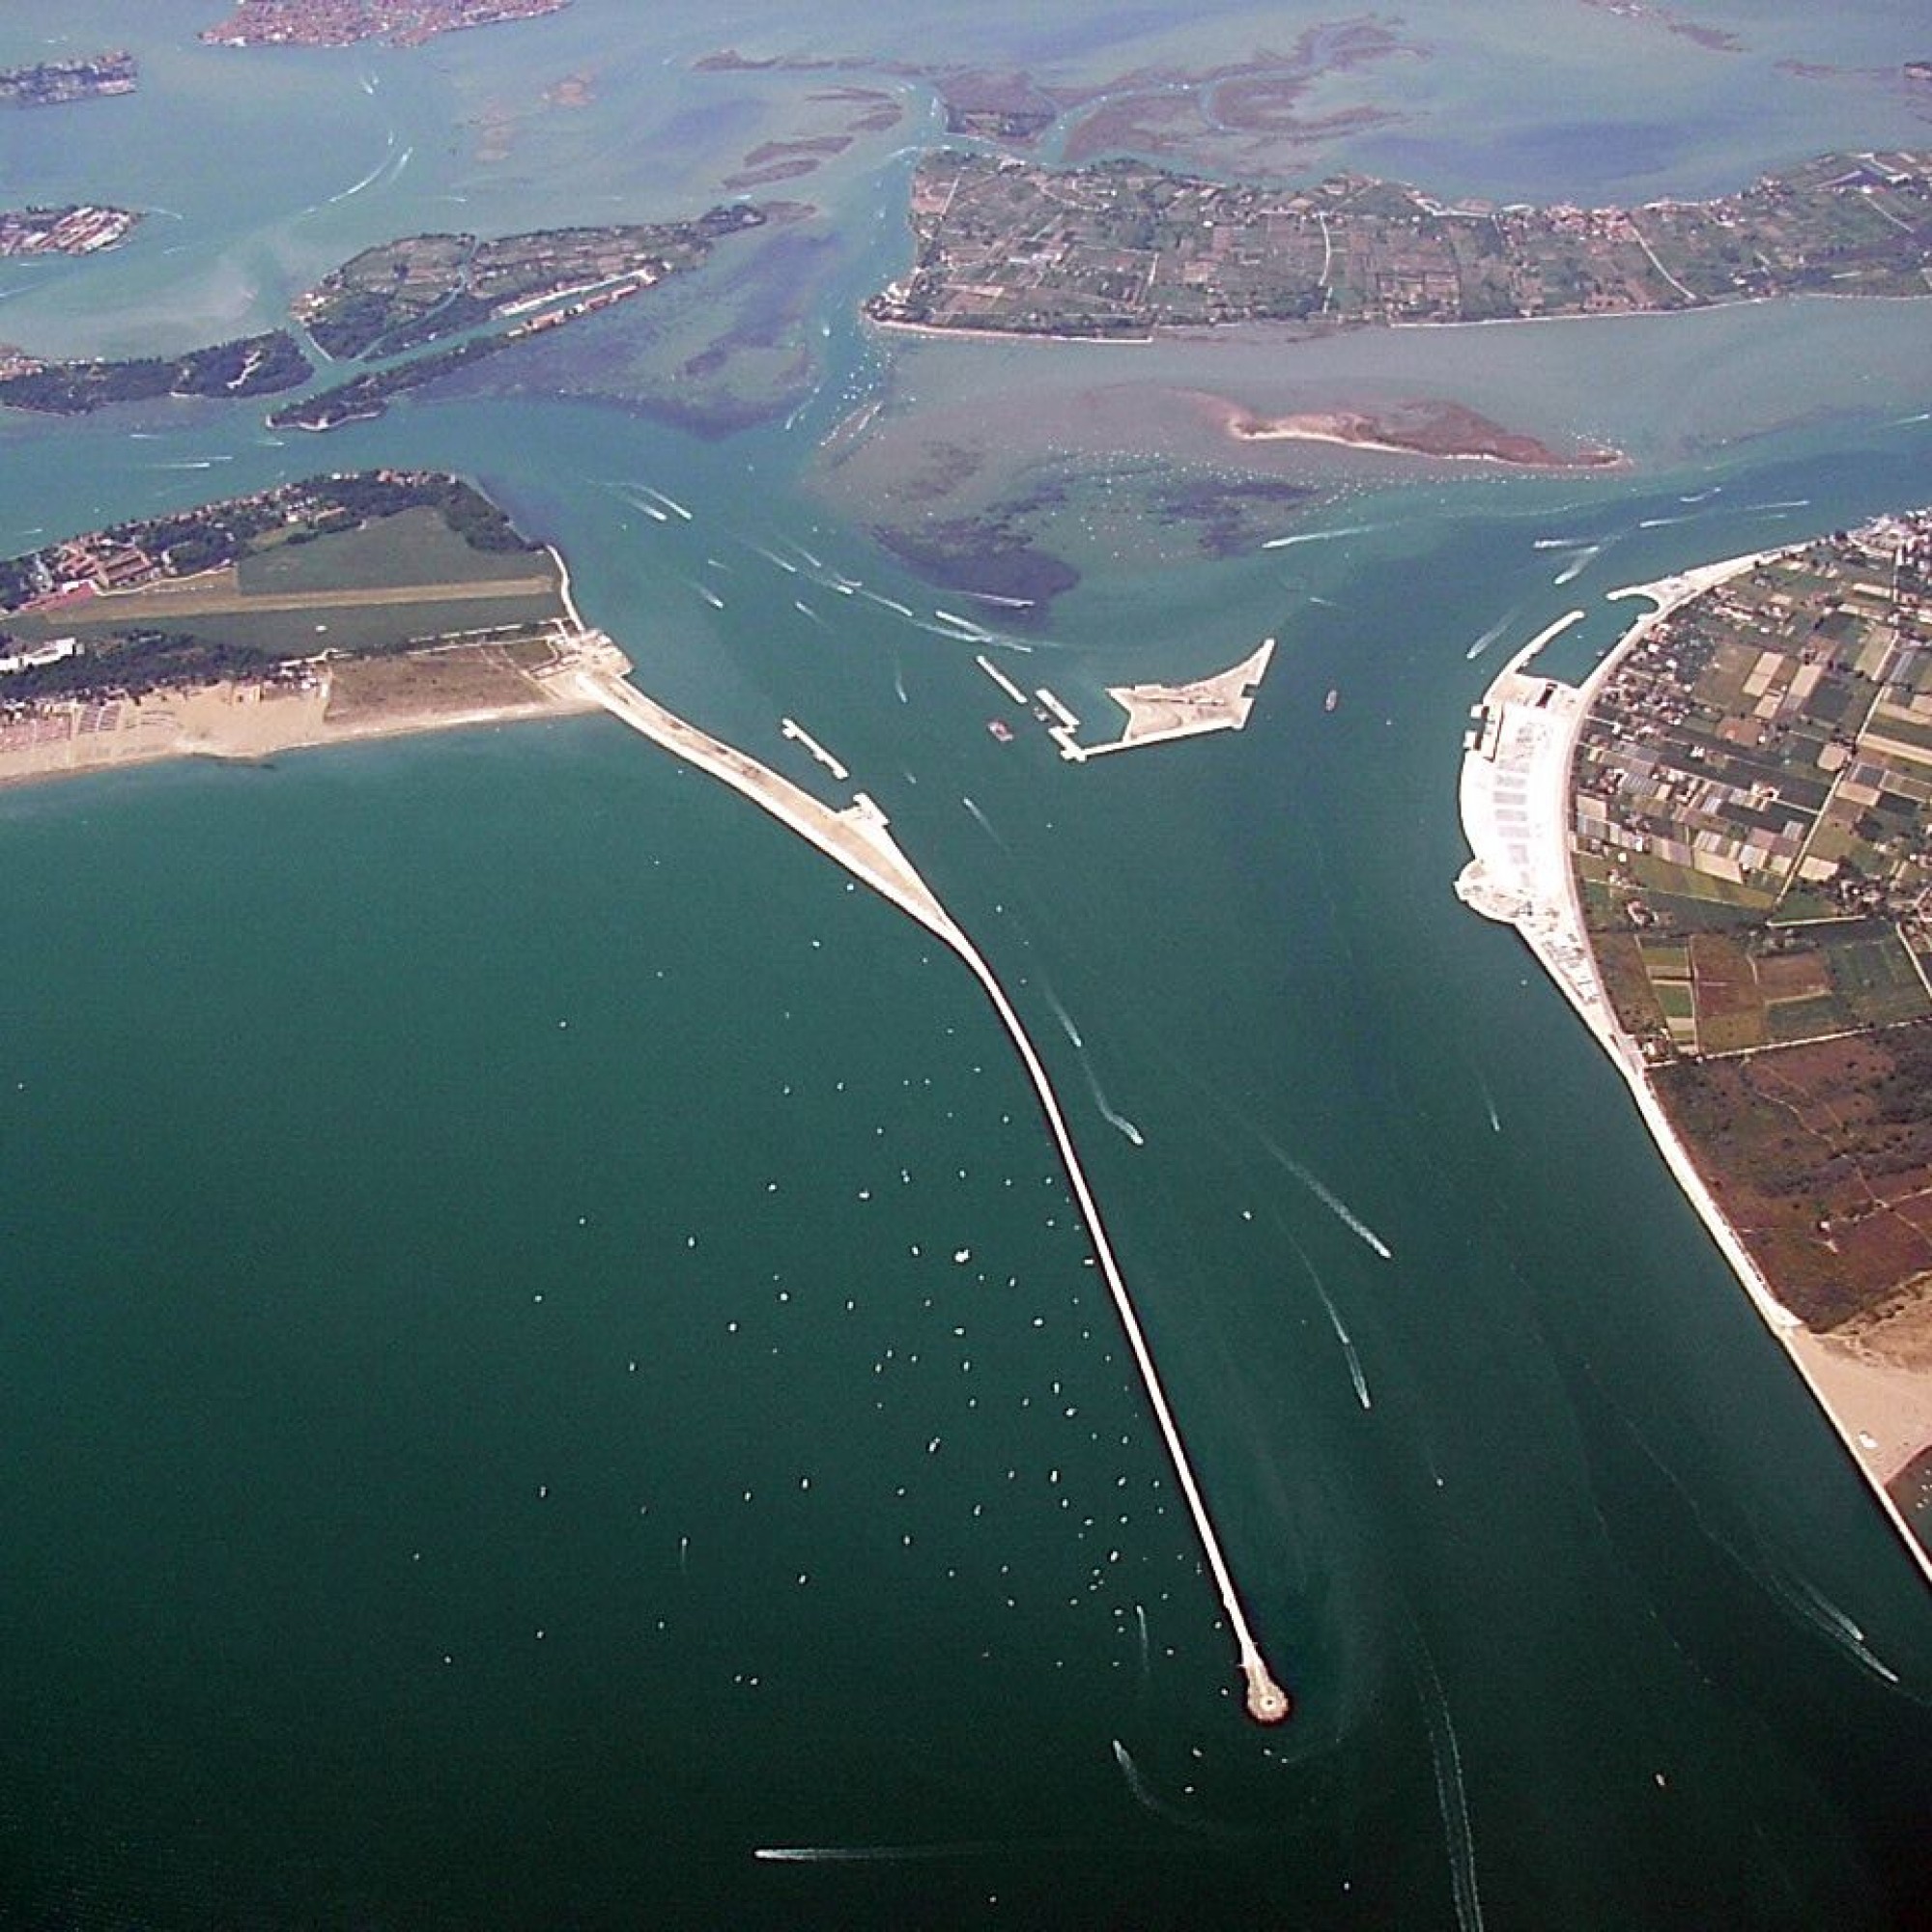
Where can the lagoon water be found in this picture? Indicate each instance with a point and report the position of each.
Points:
(546, 1353)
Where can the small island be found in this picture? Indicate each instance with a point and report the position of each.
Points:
(1121, 250)
(76, 229)
(1721, 847)
(1155, 713)
(341, 23)
(56, 83)
(342, 607)
(251, 365)
(491, 295)
(388, 304)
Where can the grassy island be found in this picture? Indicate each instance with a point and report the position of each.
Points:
(421, 308)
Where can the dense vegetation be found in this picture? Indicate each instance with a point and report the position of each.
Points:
(250, 365)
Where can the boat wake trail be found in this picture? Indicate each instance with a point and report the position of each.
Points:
(849, 1855)
(1578, 564)
(1066, 1019)
(1488, 637)
(1330, 1200)
(1141, 1625)
(369, 179)
(1145, 1797)
(1107, 1112)
(985, 823)
(1342, 1335)
(1450, 1794)
(1819, 1610)
(1318, 536)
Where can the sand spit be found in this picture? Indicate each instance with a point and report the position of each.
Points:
(1515, 801)
(1443, 431)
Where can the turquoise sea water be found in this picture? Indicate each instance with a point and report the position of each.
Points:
(544, 1347)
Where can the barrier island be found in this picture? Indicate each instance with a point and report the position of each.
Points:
(1721, 847)
(1119, 250)
(341, 606)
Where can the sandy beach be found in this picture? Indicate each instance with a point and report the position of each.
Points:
(1515, 796)
(332, 704)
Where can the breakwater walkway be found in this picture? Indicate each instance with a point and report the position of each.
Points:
(858, 839)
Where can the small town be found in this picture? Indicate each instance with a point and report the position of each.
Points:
(340, 23)
(1762, 762)
(56, 83)
(78, 230)
(1121, 249)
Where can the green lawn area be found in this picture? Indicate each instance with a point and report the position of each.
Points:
(415, 547)
(1658, 876)
(1807, 1019)
(1876, 980)
(1675, 997)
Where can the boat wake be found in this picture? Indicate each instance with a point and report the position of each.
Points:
(1320, 536)
(848, 1855)
(369, 179)
(985, 823)
(1818, 1610)
(1578, 564)
(1451, 1795)
(1065, 1019)
(1488, 637)
(1330, 1200)
(1114, 1120)
(1342, 1335)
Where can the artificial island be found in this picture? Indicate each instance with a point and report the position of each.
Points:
(1719, 845)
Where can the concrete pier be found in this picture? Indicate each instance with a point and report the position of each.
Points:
(858, 839)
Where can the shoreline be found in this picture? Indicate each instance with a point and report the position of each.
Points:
(452, 688)
(1514, 798)
(161, 735)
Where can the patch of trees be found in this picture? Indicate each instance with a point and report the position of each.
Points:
(251, 365)
(133, 663)
(363, 398)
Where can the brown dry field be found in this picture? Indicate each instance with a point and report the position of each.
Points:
(1794, 1136)
(439, 681)
(1793, 976)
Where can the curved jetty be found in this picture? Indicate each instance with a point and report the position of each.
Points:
(858, 839)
